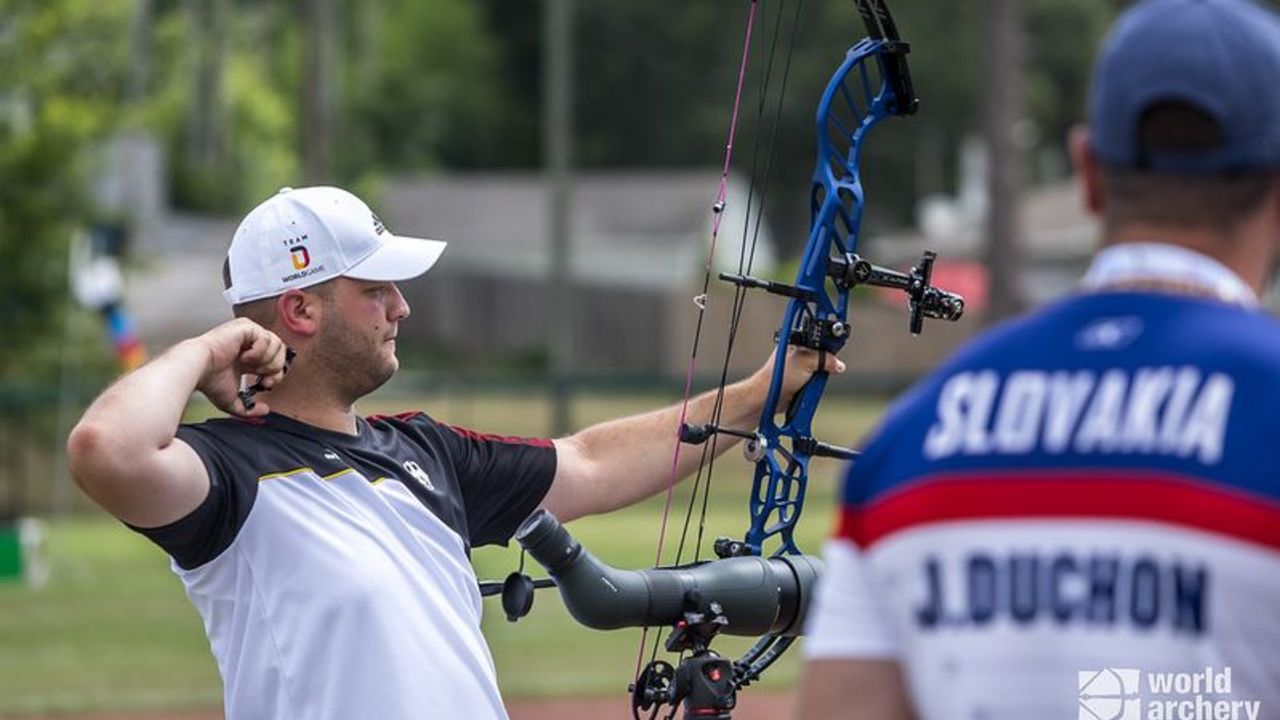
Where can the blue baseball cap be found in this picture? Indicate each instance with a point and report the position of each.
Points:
(1219, 56)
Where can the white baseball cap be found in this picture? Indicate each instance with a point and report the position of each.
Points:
(303, 237)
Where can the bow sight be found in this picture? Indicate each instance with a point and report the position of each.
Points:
(924, 300)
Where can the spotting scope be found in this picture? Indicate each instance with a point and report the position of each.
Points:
(756, 595)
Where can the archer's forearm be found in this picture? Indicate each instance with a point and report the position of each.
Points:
(620, 462)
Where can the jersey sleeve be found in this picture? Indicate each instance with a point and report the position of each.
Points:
(849, 620)
(208, 530)
(503, 479)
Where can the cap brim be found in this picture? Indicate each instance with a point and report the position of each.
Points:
(398, 258)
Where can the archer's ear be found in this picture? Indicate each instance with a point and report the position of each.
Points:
(1085, 163)
(299, 312)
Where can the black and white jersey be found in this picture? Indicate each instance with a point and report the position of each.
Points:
(332, 570)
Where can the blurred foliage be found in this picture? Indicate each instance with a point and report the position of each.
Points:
(1057, 69)
(673, 85)
(423, 85)
(449, 84)
(439, 84)
(427, 92)
(62, 74)
(417, 86)
(254, 117)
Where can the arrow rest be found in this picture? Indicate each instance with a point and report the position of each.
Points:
(821, 334)
(753, 448)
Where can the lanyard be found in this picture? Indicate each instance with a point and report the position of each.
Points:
(1156, 266)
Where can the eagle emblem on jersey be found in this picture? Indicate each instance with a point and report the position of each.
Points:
(414, 469)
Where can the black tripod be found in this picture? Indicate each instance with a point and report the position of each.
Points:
(704, 680)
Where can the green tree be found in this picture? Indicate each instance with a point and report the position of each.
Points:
(62, 82)
(224, 101)
(1063, 38)
(427, 93)
(656, 81)
(63, 75)
(408, 84)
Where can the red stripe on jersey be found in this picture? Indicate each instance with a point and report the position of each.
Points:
(466, 432)
(509, 439)
(398, 416)
(1158, 497)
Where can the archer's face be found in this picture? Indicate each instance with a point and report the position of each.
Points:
(357, 336)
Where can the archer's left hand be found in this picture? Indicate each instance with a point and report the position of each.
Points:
(800, 365)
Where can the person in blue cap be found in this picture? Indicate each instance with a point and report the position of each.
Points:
(1078, 515)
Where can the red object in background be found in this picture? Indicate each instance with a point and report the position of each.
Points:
(967, 278)
(129, 349)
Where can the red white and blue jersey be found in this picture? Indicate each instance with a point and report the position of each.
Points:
(1096, 485)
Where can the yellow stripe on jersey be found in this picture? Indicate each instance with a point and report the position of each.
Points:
(305, 469)
(286, 473)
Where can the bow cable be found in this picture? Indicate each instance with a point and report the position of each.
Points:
(717, 216)
(746, 259)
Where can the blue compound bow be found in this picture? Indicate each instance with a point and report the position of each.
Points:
(704, 598)
(871, 84)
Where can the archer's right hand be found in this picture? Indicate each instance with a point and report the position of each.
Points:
(237, 348)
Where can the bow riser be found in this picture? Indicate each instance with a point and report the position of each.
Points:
(818, 320)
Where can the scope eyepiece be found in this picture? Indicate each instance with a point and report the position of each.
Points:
(543, 537)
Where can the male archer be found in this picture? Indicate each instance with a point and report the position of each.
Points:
(326, 552)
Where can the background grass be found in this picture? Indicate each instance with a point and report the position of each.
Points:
(114, 631)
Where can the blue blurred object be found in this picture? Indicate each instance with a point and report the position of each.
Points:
(1219, 56)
